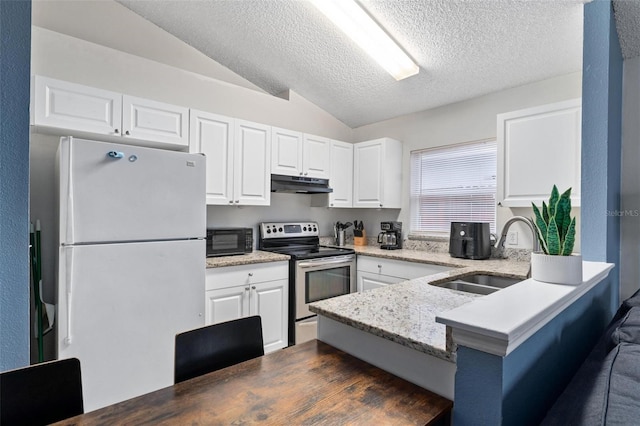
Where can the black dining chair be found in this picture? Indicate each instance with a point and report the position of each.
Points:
(42, 393)
(217, 346)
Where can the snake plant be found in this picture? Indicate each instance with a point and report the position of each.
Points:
(555, 228)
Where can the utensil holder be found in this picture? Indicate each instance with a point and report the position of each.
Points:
(340, 239)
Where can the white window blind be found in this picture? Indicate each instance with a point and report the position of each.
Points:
(453, 184)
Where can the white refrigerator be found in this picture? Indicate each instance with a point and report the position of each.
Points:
(131, 263)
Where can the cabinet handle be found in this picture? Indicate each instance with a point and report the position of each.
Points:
(237, 201)
(246, 289)
(253, 287)
(379, 266)
(117, 131)
(230, 201)
(127, 133)
(300, 173)
(331, 204)
(306, 173)
(250, 274)
(380, 205)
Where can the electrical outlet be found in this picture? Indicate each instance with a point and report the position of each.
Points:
(512, 238)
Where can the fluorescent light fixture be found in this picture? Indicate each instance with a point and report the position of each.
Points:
(349, 16)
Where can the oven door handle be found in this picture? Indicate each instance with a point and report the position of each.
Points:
(305, 265)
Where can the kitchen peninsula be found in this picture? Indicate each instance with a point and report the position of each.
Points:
(412, 328)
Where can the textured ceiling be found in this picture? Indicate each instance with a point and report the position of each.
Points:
(627, 13)
(464, 48)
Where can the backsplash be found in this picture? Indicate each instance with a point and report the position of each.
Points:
(436, 246)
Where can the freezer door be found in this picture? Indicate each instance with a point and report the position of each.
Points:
(119, 309)
(113, 192)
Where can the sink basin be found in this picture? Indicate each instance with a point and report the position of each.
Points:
(478, 284)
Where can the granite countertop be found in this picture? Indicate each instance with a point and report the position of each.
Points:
(406, 312)
(255, 256)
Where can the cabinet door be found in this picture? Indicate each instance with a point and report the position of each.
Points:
(252, 164)
(212, 135)
(226, 304)
(368, 281)
(316, 160)
(341, 179)
(286, 152)
(548, 136)
(270, 301)
(368, 174)
(155, 121)
(72, 106)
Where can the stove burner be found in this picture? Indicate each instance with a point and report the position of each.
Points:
(297, 239)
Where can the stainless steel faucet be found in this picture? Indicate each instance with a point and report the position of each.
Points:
(526, 221)
(534, 236)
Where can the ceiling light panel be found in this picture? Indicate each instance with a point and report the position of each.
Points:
(349, 16)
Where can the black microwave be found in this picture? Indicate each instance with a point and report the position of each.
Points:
(229, 241)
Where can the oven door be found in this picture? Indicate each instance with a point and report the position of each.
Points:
(322, 278)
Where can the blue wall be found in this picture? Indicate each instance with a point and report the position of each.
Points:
(15, 57)
(519, 389)
(601, 135)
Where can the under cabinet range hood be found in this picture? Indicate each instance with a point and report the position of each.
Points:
(299, 184)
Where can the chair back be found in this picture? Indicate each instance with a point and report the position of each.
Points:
(217, 346)
(42, 393)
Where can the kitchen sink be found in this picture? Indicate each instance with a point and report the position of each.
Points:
(478, 284)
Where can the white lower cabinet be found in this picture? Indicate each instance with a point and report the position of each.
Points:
(368, 281)
(240, 291)
(376, 272)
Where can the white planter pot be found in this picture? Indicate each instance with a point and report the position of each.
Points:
(557, 269)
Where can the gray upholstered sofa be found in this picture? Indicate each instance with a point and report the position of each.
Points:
(606, 387)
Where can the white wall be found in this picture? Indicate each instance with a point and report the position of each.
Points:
(630, 185)
(108, 23)
(467, 121)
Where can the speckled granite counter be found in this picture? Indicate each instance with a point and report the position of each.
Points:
(405, 313)
(256, 256)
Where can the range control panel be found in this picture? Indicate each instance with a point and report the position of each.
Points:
(288, 229)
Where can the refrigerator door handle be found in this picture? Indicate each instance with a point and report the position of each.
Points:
(69, 279)
(69, 218)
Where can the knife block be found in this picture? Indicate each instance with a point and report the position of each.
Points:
(360, 241)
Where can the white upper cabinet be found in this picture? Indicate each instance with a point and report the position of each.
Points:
(316, 156)
(212, 135)
(64, 105)
(156, 121)
(238, 158)
(298, 154)
(537, 148)
(69, 108)
(286, 152)
(377, 174)
(341, 178)
(252, 164)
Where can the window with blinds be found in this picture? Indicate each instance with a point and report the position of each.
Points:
(453, 184)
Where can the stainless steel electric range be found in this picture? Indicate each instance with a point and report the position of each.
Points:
(315, 272)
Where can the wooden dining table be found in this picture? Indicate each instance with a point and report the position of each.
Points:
(308, 384)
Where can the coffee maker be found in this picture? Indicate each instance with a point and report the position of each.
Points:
(391, 236)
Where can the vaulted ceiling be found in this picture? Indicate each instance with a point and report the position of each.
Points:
(465, 48)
